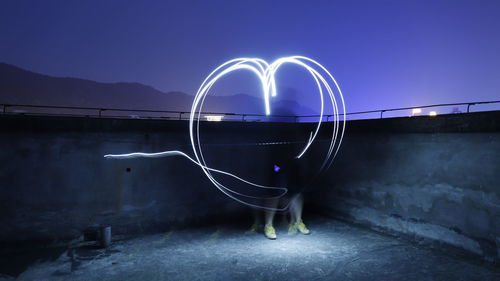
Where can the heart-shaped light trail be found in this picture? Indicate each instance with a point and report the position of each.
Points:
(266, 74)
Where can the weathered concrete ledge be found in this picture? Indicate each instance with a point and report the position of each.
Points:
(428, 179)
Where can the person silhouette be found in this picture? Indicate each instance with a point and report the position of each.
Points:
(285, 174)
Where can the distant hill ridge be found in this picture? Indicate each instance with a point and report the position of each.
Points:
(19, 86)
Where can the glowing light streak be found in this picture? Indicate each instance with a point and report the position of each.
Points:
(433, 113)
(180, 153)
(266, 74)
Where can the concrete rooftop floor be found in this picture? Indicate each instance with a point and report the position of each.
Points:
(334, 251)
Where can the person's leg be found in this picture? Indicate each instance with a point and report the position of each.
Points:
(269, 230)
(298, 203)
(257, 222)
(292, 228)
(296, 215)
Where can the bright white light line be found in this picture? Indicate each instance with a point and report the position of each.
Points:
(266, 74)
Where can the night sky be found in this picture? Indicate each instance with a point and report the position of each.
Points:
(384, 53)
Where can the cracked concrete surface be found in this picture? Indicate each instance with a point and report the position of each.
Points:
(334, 251)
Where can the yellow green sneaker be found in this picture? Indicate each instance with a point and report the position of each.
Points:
(292, 229)
(270, 232)
(302, 227)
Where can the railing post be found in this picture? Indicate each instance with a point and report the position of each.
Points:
(381, 113)
(468, 106)
(180, 115)
(4, 106)
(100, 110)
(243, 118)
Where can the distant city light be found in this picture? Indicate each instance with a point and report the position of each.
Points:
(416, 111)
(214, 118)
(433, 113)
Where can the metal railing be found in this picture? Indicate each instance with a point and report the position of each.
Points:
(381, 111)
(49, 110)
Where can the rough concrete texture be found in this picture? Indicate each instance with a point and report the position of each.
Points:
(433, 178)
(57, 181)
(443, 187)
(334, 251)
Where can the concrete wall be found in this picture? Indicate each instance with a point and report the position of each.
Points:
(433, 180)
(54, 180)
(430, 179)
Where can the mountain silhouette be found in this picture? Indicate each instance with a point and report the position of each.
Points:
(19, 86)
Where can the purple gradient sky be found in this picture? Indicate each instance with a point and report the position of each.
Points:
(384, 53)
